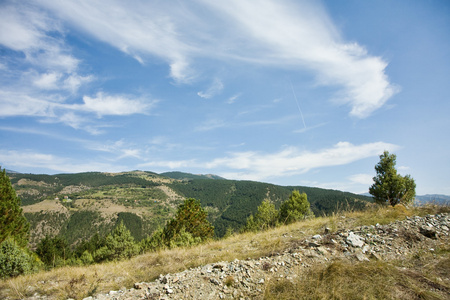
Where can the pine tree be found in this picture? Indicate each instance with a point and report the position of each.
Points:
(266, 217)
(119, 244)
(12, 222)
(390, 187)
(295, 208)
(191, 218)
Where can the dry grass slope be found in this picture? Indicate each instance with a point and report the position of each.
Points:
(413, 278)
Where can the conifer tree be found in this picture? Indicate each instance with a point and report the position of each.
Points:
(12, 222)
(190, 218)
(119, 244)
(295, 208)
(389, 186)
(266, 217)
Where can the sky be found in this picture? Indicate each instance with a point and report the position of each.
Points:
(303, 93)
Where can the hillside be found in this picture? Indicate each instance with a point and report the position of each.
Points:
(77, 206)
(381, 253)
(433, 198)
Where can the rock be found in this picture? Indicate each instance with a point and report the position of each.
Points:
(245, 279)
(375, 256)
(354, 240)
(313, 244)
(360, 256)
(428, 231)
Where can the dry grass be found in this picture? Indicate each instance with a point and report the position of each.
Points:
(79, 282)
(369, 280)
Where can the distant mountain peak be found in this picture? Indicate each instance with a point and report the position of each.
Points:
(189, 176)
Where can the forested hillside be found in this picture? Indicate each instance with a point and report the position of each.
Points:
(230, 202)
(77, 206)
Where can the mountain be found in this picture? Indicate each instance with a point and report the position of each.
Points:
(189, 176)
(77, 206)
(424, 199)
(432, 198)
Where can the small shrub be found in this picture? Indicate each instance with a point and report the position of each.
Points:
(229, 281)
(15, 260)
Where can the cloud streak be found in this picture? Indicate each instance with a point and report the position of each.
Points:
(251, 165)
(29, 159)
(215, 88)
(280, 34)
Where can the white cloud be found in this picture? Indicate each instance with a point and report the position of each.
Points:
(121, 148)
(47, 81)
(174, 165)
(211, 125)
(21, 104)
(233, 98)
(28, 159)
(251, 165)
(215, 88)
(104, 104)
(74, 81)
(286, 34)
(138, 28)
(302, 35)
(73, 115)
(291, 161)
(365, 179)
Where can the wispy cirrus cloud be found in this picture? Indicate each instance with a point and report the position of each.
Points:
(301, 35)
(102, 104)
(43, 81)
(251, 165)
(27, 160)
(278, 34)
(215, 88)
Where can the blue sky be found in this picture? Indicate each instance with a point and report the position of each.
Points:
(287, 92)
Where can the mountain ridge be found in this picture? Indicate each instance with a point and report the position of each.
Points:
(144, 200)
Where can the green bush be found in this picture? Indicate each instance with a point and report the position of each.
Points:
(266, 217)
(119, 244)
(295, 208)
(15, 260)
(53, 251)
(192, 218)
(184, 239)
(154, 242)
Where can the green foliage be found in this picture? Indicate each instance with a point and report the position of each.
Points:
(86, 258)
(53, 251)
(235, 200)
(133, 223)
(190, 218)
(266, 217)
(82, 225)
(15, 260)
(155, 241)
(390, 187)
(228, 202)
(189, 227)
(91, 245)
(184, 239)
(189, 176)
(119, 244)
(295, 208)
(12, 222)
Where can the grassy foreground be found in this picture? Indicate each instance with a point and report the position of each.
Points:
(414, 277)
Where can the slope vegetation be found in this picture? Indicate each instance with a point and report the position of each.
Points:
(54, 203)
(400, 256)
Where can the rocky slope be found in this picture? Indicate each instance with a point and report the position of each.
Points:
(246, 279)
